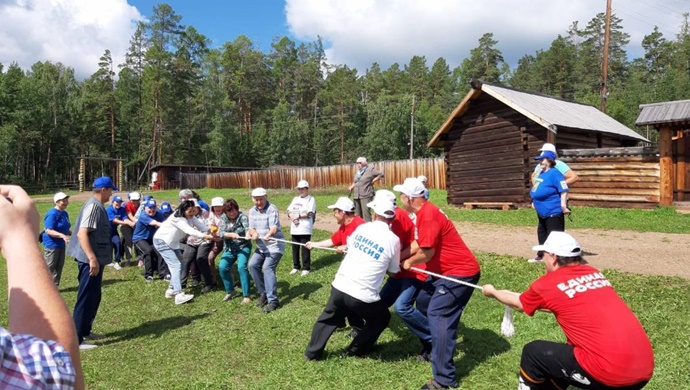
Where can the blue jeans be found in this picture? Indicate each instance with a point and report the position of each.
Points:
(173, 258)
(402, 293)
(225, 269)
(443, 302)
(117, 247)
(88, 300)
(263, 266)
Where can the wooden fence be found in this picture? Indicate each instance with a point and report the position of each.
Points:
(395, 172)
(619, 177)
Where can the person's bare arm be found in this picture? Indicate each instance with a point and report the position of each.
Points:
(35, 305)
(83, 237)
(423, 255)
(506, 297)
(571, 177)
(323, 244)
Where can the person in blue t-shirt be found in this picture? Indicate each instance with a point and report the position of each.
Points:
(570, 175)
(147, 224)
(549, 198)
(117, 217)
(56, 234)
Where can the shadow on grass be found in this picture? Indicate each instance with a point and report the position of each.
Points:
(104, 283)
(151, 328)
(327, 261)
(289, 292)
(477, 345)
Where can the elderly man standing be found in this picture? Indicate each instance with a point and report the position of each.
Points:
(444, 252)
(373, 250)
(362, 188)
(264, 225)
(92, 249)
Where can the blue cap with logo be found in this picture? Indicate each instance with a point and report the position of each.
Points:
(150, 203)
(166, 207)
(546, 154)
(104, 182)
(117, 199)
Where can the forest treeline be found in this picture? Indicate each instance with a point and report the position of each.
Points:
(178, 100)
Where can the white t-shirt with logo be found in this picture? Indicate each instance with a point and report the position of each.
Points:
(372, 250)
(300, 205)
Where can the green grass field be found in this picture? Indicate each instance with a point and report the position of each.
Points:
(152, 343)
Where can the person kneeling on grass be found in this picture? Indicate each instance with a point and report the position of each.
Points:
(167, 242)
(373, 250)
(607, 346)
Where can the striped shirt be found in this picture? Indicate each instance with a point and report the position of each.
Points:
(263, 220)
(29, 362)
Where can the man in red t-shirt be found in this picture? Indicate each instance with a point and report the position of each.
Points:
(607, 347)
(441, 248)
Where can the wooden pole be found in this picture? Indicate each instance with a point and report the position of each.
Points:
(605, 65)
(665, 166)
(412, 130)
(82, 171)
(119, 174)
(680, 165)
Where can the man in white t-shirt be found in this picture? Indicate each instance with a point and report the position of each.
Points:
(372, 250)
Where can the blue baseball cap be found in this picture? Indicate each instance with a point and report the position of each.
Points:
(546, 154)
(117, 199)
(147, 197)
(104, 182)
(166, 207)
(150, 203)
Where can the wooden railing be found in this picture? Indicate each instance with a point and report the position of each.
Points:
(395, 172)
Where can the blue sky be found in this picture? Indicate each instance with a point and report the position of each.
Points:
(356, 33)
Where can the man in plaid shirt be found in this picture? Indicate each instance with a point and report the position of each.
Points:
(40, 349)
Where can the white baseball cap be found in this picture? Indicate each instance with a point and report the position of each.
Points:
(302, 184)
(560, 244)
(547, 147)
(422, 178)
(385, 194)
(134, 196)
(383, 207)
(258, 191)
(411, 187)
(217, 201)
(60, 196)
(344, 203)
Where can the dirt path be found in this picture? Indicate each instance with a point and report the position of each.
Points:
(646, 253)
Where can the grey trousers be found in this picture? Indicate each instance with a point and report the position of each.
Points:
(55, 258)
(362, 209)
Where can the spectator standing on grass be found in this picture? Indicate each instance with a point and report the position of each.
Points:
(362, 189)
(131, 208)
(233, 229)
(40, 348)
(373, 250)
(149, 221)
(56, 235)
(607, 347)
(441, 248)
(549, 198)
(92, 250)
(167, 242)
(264, 225)
(117, 217)
(301, 212)
(570, 175)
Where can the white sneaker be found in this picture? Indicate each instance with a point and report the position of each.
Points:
(305, 272)
(294, 271)
(169, 293)
(86, 347)
(183, 298)
(115, 265)
(535, 260)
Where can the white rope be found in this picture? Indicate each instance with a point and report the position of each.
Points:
(301, 244)
(507, 326)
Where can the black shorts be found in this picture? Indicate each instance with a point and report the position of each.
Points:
(549, 365)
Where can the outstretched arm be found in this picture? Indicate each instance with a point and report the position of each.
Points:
(35, 305)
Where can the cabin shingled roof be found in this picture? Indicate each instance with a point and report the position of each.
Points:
(549, 112)
(664, 112)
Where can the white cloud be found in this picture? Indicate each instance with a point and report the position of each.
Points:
(359, 32)
(74, 32)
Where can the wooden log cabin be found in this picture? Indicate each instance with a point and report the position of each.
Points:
(672, 121)
(491, 138)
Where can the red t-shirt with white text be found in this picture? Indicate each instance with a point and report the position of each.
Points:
(609, 341)
(340, 236)
(452, 256)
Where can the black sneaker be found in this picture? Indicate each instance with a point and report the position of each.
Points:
(271, 307)
(353, 333)
(262, 301)
(206, 289)
(433, 385)
(194, 283)
(423, 356)
(166, 277)
(149, 278)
